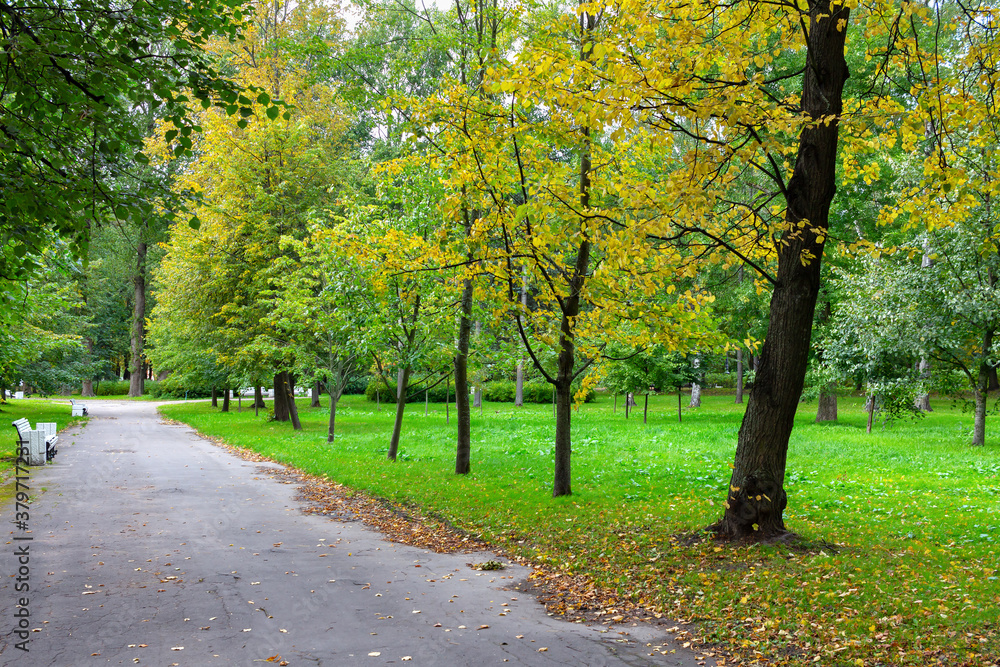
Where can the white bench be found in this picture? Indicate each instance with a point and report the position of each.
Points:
(77, 408)
(40, 442)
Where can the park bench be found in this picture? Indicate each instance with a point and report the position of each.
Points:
(77, 409)
(40, 442)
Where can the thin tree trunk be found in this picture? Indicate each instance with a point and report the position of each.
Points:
(679, 419)
(314, 403)
(923, 401)
(477, 390)
(331, 426)
(739, 375)
(215, 396)
(138, 322)
(645, 408)
(979, 422)
(463, 441)
(762, 444)
(293, 410)
(981, 393)
(225, 399)
(519, 388)
(427, 402)
(870, 407)
(447, 400)
(402, 382)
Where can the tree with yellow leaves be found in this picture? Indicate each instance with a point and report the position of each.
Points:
(257, 177)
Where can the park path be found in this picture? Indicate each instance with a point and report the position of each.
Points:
(151, 546)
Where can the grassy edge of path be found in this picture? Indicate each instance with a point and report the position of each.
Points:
(877, 586)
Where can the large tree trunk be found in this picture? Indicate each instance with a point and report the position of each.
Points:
(87, 390)
(827, 410)
(314, 403)
(739, 375)
(280, 398)
(258, 397)
(215, 396)
(138, 323)
(402, 383)
(756, 496)
(225, 399)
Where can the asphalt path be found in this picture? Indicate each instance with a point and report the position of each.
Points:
(150, 545)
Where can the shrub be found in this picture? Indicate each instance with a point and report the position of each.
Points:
(172, 387)
(111, 388)
(500, 391)
(724, 380)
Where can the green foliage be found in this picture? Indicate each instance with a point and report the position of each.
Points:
(500, 391)
(74, 75)
(175, 387)
(723, 380)
(111, 388)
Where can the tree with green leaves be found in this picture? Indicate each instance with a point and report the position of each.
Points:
(73, 76)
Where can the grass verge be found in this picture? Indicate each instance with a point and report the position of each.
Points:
(34, 410)
(900, 528)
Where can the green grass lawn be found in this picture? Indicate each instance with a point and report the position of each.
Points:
(34, 410)
(901, 527)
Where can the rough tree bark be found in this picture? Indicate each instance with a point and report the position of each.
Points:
(280, 398)
(827, 410)
(225, 399)
(756, 497)
(215, 396)
(314, 403)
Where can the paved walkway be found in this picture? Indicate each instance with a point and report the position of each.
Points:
(151, 546)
